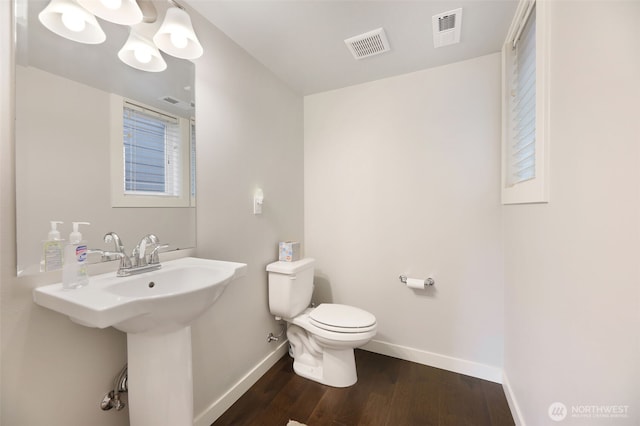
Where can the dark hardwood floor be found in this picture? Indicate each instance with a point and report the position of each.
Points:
(389, 392)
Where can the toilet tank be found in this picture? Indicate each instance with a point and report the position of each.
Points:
(290, 287)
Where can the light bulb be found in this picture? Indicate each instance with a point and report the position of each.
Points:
(73, 20)
(179, 40)
(111, 4)
(142, 54)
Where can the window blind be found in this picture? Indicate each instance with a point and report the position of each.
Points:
(522, 144)
(151, 152)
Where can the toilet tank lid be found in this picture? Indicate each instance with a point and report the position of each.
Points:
(290, 268)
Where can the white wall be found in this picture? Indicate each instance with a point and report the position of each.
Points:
(55, 372)
(572, 278)
(402, 177)
(7, 209)
(250, 136)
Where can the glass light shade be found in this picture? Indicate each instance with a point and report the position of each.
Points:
(140, 53)
(176, 36)
(67, 19)
(123, 12)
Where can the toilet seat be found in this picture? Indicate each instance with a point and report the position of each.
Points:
(324, 352)
(342, 318)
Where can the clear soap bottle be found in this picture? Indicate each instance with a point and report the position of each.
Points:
(52, 249)
(74, 272)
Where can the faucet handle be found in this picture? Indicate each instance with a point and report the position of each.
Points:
(140, 252)
(108, 256)
(150, 239)
(154, 258)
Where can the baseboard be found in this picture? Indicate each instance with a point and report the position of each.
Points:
(457, 365)
(513, 403)
(218, 407)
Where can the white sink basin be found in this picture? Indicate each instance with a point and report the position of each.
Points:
(163, 300)
(155, 309)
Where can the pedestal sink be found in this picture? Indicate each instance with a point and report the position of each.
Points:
(156, 310)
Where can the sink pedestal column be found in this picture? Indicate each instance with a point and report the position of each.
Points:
(160, 378)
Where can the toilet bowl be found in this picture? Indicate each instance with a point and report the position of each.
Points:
(323, 351)
(322, 339)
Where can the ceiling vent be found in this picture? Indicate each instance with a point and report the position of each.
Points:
(446, 28)
(177, 102)
(368, 44)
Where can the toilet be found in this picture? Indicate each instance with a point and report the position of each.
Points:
(322, 338)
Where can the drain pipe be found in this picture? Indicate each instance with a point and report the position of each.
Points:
(112, 399)
(272, 338)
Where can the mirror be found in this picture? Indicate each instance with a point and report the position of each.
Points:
(64, 134)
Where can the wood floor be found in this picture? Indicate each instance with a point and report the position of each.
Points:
(389, 392)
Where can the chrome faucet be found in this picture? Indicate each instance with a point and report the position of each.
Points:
(139, 261)
(139, 253)
(125, 261)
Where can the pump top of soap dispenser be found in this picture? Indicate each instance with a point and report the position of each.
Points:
(75, 237)
(54, 234)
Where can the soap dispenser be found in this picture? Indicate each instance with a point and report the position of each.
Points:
(74, 272)
(52, 249)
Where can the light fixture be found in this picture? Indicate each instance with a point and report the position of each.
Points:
(75, 20)
(123, 12)
(67, 19)
(176, 36)
(140, 53)
(258, 200)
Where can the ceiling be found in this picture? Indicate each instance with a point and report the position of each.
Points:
(98, 66)
(302, 41)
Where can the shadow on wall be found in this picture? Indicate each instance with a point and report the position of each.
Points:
(322, 289)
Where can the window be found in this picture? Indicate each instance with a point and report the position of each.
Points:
(524, 141)
(150, 154)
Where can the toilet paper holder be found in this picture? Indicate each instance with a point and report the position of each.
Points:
(428, 282)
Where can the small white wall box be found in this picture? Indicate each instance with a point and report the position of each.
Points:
(289, 251)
